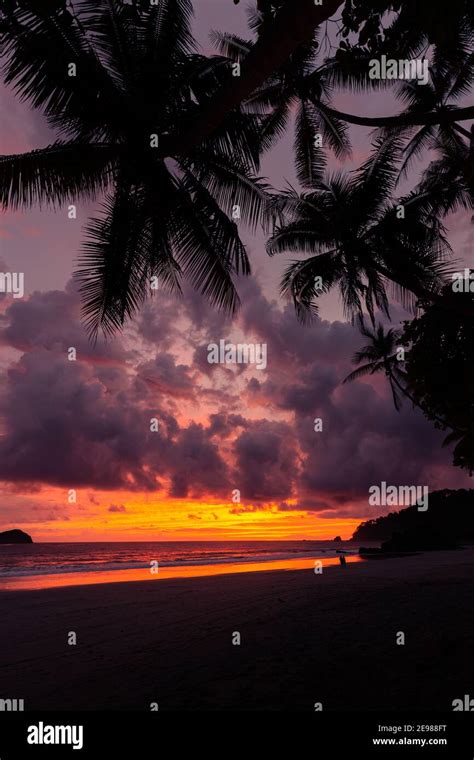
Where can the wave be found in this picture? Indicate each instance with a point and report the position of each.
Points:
(96, 566)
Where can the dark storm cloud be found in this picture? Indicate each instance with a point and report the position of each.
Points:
(266, 461)
(223, 425)
(78, 423)
(64, 428)
(51, 320)
(197, 462)
(87, 422)
(169, 378)
(364, 439)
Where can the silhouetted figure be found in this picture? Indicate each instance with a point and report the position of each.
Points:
(342, 560)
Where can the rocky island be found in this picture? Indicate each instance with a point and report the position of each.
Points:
(15, 537)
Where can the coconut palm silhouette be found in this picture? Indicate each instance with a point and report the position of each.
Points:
(170, 141)
(361, 240)
(298, 85)
(381, 354)
(115, 82)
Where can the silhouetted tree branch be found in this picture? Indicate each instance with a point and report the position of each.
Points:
(441, 116)
(293, 25)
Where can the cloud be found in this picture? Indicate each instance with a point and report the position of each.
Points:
(86, 423)
(266, 461)
(51, 321)
(196, 464)
(248, 509)
(168, 377)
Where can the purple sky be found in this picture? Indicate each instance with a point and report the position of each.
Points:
(82, 423)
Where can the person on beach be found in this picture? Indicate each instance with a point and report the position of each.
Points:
(342, 560)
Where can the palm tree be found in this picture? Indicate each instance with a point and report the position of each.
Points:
(427, 123)
(294, 86)
(299, 80)
(449, 179)
(359, 240)
(409, 33)
(406, 31)
(381, 355)
(446, 84)
(115, 81)
(136, 77)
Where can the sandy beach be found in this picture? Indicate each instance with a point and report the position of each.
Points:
(305, 638)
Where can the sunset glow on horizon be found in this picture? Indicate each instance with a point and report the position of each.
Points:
(128, 517)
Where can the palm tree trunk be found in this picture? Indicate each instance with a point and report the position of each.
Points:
(402, 120)
(462, 131)
(294, 25)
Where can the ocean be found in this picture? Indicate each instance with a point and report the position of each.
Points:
(42, 565)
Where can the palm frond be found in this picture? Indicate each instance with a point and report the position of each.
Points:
(40, 44)
(162, 263)
(114, 262)
(300, 236)
(335, 133)
(274, 125)
(363, 371)
(226, 231)
(168, 30)
(230, 45)
(463, 82)
(300, 284)
(309, 159)
(351, 72)
(55, 174)
(375, 180)
(205, 250)
(232, 183)
(422, 140)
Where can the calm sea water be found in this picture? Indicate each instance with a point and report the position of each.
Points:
(51, 558)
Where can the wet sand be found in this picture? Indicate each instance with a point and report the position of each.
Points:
(304, 638)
